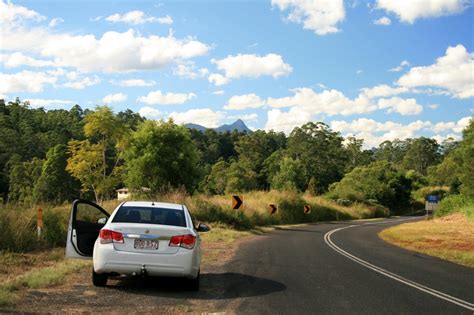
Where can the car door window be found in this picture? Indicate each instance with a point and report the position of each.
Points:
(86, 225)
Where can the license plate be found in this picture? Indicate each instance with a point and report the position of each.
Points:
(145, 244)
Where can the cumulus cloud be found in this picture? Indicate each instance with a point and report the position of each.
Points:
(137, 17)
(319, 16)
(385, 21)
(18, 59)
(279, 120)
(400, 67)
(149, 112)
(111, 52)
(218, 92)
(203, 116)
(383, 90)
(81, 83)
(249, 65)
(25, 81)
(452, 72)
(54, 22)
(114, 98)
(190, 71)
(158, 97)
(330, 102)
(402, 106)
(239, 102)
(133, 82)
(409, 11)
(245, 117)
(11, 13)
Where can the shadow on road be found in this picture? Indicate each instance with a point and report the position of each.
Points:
(214, 286)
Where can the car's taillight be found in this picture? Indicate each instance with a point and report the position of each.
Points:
(108, 236)
(186, 241)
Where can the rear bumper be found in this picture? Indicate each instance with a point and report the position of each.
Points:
(184, 263)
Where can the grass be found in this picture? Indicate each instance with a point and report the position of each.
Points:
(450, 238)
(36, 275)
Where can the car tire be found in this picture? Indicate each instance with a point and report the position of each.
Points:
(99, 280)
(193, 284)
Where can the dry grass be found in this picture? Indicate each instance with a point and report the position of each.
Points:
(450, 238)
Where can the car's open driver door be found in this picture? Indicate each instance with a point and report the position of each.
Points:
(85, 223)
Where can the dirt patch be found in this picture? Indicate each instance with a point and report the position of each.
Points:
(450, 238)
(154, 295)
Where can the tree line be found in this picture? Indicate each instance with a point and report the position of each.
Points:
(57, 155)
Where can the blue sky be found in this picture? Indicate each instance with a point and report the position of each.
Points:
(377, 70)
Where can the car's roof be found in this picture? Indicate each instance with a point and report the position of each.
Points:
(153, 204)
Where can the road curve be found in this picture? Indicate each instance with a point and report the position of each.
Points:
(343, 267)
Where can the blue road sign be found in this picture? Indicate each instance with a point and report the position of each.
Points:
(433, 198)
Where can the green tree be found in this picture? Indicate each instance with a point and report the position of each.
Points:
(161, 154)
(215, 183)
(240, 178)
(23, 179)
(356, 156)
(421, 153)
(290, 176)
(320, 151)
(55, 183)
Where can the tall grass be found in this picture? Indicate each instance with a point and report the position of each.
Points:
(456, 203)
(18, 221)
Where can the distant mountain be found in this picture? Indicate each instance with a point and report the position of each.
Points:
(238, 125)
(195, 126)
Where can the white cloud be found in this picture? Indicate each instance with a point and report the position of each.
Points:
(54, 22)
(25, 81)
(400, 67)
(453, 72)
(39, 102)
(203, 116)
(18, 59)
(320, 16)
(218, 79)
(330, 102)
(115, 98)
(11, 13)
(165, 20)
(402, 106)
(359, 71)
(133, 82)
(383, 21)
(433, 106)
(112, 52)
(218, 92)
(383, 90)
(137, 17)
(239, 102)
(245, 117)
(82, 83)
(249, 65)
(190, 71)
(408, 11)
(285, 121)
(149, 112)
(456, 127)
(158, 97)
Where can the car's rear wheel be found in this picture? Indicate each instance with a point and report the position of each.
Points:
(193, 284)
(99, 280)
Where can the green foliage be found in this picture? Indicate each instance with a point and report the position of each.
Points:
(55, 183)
(161, 154)
(381, 181)
(216, 182)
(240, 178)
(320, 151)
(23, 179)
(204, 211)
(290, 176)
(312, 188)
(420, 154)
(421, 194)
(456, 203)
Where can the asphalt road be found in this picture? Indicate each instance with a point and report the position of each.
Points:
(300, 271)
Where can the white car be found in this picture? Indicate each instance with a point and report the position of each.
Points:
(139, 238)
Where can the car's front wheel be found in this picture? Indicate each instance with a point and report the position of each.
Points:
(99, 280)
(194, 283)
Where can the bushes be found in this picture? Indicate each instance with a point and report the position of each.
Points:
(456, 203)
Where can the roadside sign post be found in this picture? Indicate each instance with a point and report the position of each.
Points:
(273, 209)
(39, 222)
(237, 201)
(431, 205)
(307, 209)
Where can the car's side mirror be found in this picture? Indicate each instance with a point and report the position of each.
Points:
(203, 228)
(102, 221)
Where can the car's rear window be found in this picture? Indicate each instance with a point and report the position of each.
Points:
(150, 215)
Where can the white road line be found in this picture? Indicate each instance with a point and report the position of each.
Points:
(438, 294)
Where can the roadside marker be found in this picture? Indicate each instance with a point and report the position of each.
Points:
(237, 201)
(39, 222)
(307, 209)
(273, 209)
